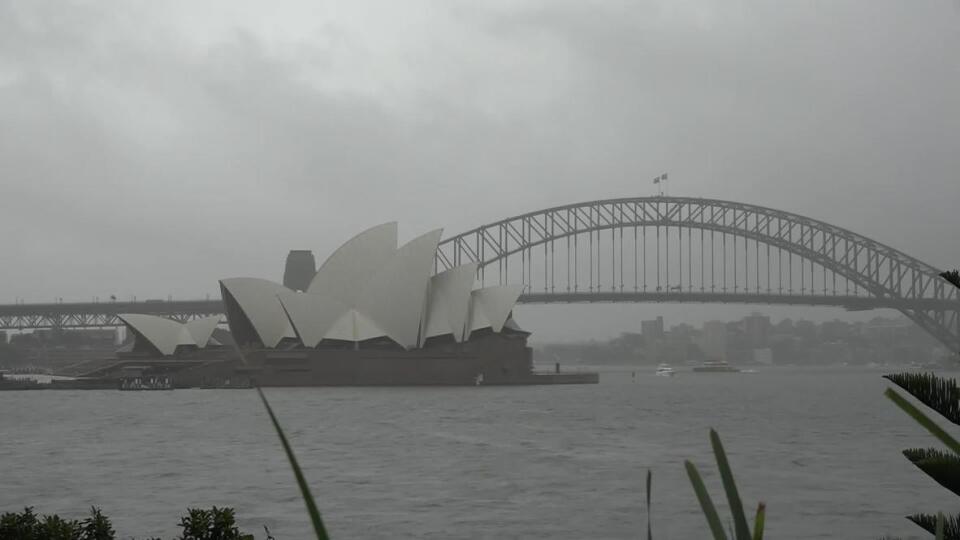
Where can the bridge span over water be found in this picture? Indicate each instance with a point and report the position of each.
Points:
(646, 249)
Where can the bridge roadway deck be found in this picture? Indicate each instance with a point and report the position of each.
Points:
(100, 315)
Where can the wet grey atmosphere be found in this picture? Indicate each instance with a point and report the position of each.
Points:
(821, 447)
(150, 149)
(226, 133)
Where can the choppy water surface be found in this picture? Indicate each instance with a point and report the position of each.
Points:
(822, 448)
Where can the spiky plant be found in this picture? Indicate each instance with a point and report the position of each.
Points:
(943, 396)
(741, 530)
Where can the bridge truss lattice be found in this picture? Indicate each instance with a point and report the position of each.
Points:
(675, 249)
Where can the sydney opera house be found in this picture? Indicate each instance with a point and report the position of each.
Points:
(372, 314)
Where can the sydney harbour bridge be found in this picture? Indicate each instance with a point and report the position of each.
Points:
(646, 249)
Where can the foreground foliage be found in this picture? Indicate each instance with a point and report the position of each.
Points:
(213, 524)
(28, 525)
(741, 529)
(943, 396)
(198, 524)
(311, 505)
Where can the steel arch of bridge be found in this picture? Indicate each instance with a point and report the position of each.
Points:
(794, 260)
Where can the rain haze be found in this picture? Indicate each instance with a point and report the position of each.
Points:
(151, 149)
(138, 136)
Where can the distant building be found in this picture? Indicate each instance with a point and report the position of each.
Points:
(806, 330)
(652, 330)
(787, 350)
(763, 356)
(300, 269)
(714, 340)
(884, 330)
(683, 330)
(784, 327)
(835, 330)
(756, 328)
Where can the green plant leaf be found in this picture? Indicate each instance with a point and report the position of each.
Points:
(951, 524)
(938, 534)
(938, 393)
(301, 481)
(943, 467)
(758, 521)
(923, 420)
(733, 497)
(706, 504)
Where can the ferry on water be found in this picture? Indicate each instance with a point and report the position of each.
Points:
(715, 366)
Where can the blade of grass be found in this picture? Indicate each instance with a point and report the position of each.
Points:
(710, 511)
(939, 532)
(923, 420)
(649, 528)
(301, 481)
(758, 521)
(733, 497)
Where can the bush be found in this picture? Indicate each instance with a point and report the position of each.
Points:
(213, 524)
(29, 526)
(198, 524)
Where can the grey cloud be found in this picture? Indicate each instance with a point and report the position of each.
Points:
(138, 162)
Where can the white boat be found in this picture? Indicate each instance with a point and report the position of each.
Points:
(664, 370)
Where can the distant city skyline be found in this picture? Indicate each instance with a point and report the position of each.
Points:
(543, 320)
(757, 340)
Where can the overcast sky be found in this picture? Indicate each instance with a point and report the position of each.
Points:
(151, 148)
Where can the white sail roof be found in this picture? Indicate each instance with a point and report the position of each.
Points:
(201, 329)
(354, 326)
(357, 295)
(395, 296)
(448, 302)
(490, 306)
(164, 334)
(346, 271)
(258, 299)
(312, 315)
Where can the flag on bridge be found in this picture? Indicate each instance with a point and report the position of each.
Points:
(663, 177)
(656, 180)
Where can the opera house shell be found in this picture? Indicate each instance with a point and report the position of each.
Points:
(368, 289)
(164, 336)
(374, 313)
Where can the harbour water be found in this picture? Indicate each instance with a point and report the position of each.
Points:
(820, 447)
